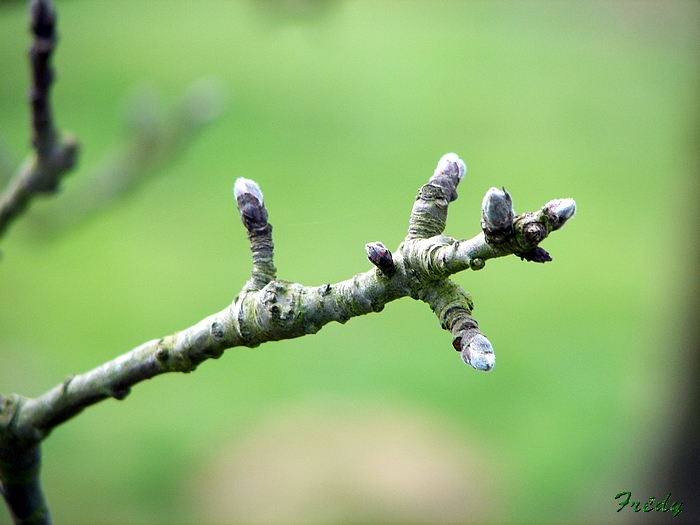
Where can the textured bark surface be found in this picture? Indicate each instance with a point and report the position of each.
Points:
(270, 309)
(267, 308)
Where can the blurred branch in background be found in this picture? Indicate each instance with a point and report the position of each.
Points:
(154, 140)
(55, 155)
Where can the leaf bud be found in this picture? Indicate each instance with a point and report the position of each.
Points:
(380, 256)
(497, 211)
(560, 211)
(478, 353)
(247, 187)
(249, 200)
(451, 164)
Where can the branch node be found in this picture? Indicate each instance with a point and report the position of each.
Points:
(162, 353)
(66, 382)
(217, 331)
(534, 233)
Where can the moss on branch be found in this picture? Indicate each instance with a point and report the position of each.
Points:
(271, 309)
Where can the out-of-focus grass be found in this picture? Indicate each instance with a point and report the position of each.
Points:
(341, 117)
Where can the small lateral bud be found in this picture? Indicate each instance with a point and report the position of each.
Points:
(560, 210)
(380, 256)
(537, 254)
(497, 211)
(478, 353)
(451, 164)
(247, 187)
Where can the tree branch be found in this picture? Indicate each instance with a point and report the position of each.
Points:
(270, 309)
(54, 156)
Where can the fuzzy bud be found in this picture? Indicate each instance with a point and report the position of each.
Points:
(560, 211)
(451, 164)
(478, 353)
(247, 187)
(497, 212)
(249, 199)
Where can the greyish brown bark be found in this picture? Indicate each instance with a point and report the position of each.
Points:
(271, 309)
(267, 308)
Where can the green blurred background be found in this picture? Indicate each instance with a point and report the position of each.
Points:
(340, 112)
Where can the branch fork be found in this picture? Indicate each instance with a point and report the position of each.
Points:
(420, 267)
(270, 309)
(267, 308)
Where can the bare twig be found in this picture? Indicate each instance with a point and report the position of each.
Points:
(54, 156)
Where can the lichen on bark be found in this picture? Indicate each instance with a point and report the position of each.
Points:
(272, 309)
(420, 267)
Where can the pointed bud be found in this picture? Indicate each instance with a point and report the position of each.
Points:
(451, 164)
(560, 211)
(249, 200)
(380, 256)
(247, 187)
(497, 211)
(478, 353)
